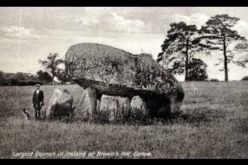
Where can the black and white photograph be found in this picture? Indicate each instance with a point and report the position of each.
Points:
(151, 82)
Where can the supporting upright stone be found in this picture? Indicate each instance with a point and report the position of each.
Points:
(139, 108)
(114, 108)
(86, 108)
(124, 108)
(60, 105)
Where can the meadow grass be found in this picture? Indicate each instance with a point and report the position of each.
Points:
(213, 124)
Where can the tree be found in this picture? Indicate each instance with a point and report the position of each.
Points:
(179, 47)
(160, 56)
(197, 70)
(1, 75)
(62, 76)
(2, 78)
(44, 77)
(20, 76)
(51, 64)
(218, 35)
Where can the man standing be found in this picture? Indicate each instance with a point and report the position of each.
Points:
(38, 101)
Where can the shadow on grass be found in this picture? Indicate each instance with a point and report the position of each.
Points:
(195, 119)
(174, 118)
(180, 118)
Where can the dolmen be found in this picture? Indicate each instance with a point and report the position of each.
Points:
(120, 85)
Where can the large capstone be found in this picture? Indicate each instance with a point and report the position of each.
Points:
(114, 72)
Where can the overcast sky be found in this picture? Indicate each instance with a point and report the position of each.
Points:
(29, 34)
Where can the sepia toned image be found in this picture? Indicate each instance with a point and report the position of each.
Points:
(123, 82)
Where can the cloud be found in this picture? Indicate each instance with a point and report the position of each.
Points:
(88, 22)
(110, 22)
(122, 24)
(18, 32)
(197, 19)
(242, 27)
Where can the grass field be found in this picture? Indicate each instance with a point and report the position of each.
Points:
(214, 124)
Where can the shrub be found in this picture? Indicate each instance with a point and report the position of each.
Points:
(245, 78)
(197, 70)
(214, 80)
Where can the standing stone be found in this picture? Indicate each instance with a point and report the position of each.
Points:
(114, 108)
(124, 108)
(139, 108)
(60, 104)
(86, 108)
(108, 108)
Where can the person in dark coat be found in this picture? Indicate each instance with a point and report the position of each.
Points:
(38, 101)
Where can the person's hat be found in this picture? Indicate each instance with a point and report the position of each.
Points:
(38, 85)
